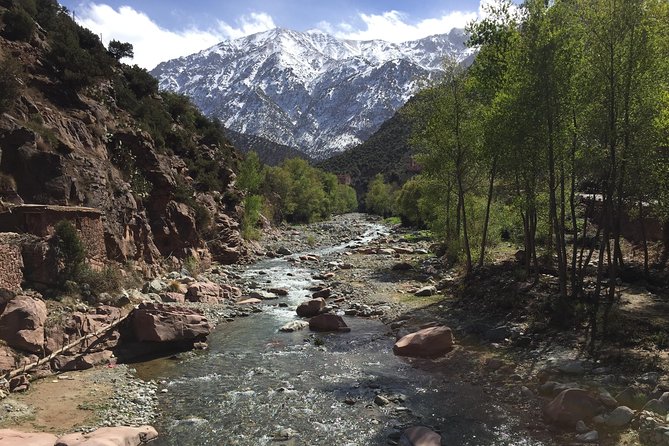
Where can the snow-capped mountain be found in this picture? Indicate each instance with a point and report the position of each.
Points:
(308, 90)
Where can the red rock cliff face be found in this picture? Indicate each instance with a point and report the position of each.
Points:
(59, 149)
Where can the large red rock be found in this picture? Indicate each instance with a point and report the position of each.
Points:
(168, 323)
(570, 406)
(426, 343)
(328, 322)
(65, 363)
(205, 292)
(22, 323)
(420, 436)
(110, 436)
(311, 307)
(10, 437)
(10, 359)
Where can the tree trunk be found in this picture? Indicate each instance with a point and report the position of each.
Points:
(484, 237)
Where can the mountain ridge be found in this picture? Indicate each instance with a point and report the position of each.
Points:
(308, 90)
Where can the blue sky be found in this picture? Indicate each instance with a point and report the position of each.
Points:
(164, 29)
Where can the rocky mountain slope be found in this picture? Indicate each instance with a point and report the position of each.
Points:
(308, 90)
(79, 129)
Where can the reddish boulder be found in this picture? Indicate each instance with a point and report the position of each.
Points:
(10, 359)
(173, 297)
(570, 406)
(426, 343)
(168, 323)
(324, 293)
(420, 436)
(328, 322)
(9, 437)
(122, 436)
(64, 363)
(311, 307)
(22, 323)
(205, 292)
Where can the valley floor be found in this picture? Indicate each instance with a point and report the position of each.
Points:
(506, 367)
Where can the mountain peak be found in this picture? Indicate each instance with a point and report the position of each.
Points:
(308, 90)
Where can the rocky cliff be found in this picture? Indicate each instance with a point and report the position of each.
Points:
(94, 144)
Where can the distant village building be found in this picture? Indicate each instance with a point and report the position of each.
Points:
(345, 179)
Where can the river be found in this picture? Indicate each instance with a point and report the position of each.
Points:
(258, 386)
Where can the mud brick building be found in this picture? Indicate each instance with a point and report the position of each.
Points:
(24, 233)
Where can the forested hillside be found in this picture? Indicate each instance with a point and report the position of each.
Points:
(556, 137)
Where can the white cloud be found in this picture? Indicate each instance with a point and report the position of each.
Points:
(394, 26)
(256, 22)
(154, 44)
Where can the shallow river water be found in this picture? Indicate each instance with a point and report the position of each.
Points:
(258, 386)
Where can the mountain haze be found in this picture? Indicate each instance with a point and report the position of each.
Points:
(308, 90)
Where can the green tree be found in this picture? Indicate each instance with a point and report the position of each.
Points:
(251, 174)
(119, 50)
(379, 198)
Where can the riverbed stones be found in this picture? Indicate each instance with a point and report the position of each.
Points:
(294, 326)
(570, 406)
(656, 406)
(328, 322)
(324, 293)
(249, 301)
(619, 417)
(420, 436)
(22, 323)
(125, 436)
(10, 437)
(426, 343)
(204, 292)
(426, 291)
(168, 323)
(264, 295)
(588, 437)
(311, 307)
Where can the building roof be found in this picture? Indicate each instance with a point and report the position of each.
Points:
(37, 208)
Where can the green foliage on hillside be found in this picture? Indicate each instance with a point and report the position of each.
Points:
(564, 98)
(294, 191)
(19, 25)
(10, 85)
(387, 151)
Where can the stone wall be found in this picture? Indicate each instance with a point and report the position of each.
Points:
(11, 261)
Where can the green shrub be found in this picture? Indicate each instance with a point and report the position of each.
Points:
(69, 250)
(251, 217)
(193, 266)
(18, 25)
(10, 85)
(106, 280)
